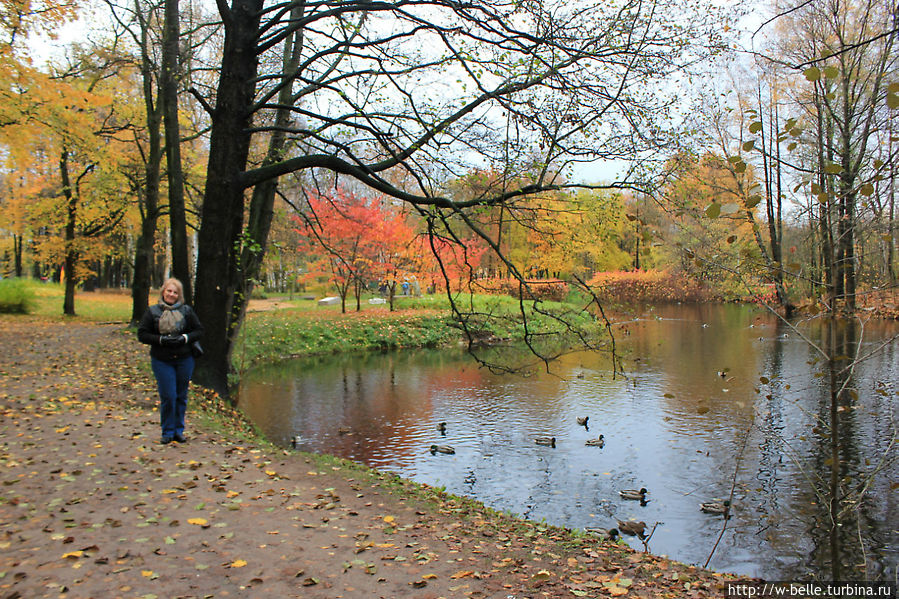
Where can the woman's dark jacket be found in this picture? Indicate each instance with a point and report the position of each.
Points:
(148, 332)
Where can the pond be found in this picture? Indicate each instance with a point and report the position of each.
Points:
(715, 401)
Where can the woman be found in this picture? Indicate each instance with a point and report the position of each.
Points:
(169, 328)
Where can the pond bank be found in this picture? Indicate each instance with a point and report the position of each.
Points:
(90, 502)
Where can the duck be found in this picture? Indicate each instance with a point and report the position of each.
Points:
(344, 430)
(547, 441)
(608, 533)
(296, 441)
(633, 494)
(715, 507)
(435, 449)
(632, 527)
(582, 420)
(441, 426)
(597, 442)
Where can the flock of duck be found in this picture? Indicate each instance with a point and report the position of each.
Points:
(628, 527)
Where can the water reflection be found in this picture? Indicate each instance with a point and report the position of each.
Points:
(716, 400)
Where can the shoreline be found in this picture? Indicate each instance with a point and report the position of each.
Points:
(120, 507)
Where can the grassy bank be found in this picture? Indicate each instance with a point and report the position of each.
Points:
(281, 327)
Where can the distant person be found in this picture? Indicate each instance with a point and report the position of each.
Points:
(170, 328)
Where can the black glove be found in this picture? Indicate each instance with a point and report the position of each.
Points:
(172, 340)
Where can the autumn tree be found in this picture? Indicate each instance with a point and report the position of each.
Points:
(421, 87)
(342, 229)
(401, 254)
(848, 56)
(710, 224)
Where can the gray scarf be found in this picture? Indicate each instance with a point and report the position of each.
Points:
(172, 320)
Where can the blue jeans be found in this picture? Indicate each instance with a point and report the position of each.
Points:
(172, 379)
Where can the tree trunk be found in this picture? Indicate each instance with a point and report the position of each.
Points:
(71, 252)
(891, 227)
(143, 253)
(263, 200)
(223, 204)
(143, 262)
(17, 242)
(168, 87)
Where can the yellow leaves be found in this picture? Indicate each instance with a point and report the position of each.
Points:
(201, 522)
(238, 563)
(149, 574)
(617, 586)
(63, 429)
(72, 554)
(389, 519)
(462, 574)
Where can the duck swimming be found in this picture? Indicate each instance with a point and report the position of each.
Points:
(597, 442)
(632, 527)
(634, 494)
(547, 441)
(582, 420)
(435, 449)
(715, 507)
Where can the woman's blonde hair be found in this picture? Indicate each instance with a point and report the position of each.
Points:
(177, 284)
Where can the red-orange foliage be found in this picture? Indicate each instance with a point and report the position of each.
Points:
(537, 289)
(647, 286)
(365, 241)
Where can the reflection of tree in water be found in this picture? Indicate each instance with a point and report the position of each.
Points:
(845, 525)
(843, 462)
(772, 446)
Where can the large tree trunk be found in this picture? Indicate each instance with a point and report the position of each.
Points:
(143, 262)
(168, 84)
(223, 203)
(17, 242)
(263, 200)
(71, 252)
(143, 253)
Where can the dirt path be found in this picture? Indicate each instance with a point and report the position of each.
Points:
(91, 506)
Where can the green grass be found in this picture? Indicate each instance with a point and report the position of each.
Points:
(16, 296)
(101, 306)
(303, 328)
(419, 322)
(293, 332)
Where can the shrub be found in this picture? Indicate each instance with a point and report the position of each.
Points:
(552, 290)
(647, 286)
(16, 297)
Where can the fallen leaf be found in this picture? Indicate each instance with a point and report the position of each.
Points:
(238, 563)
(198, 521)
